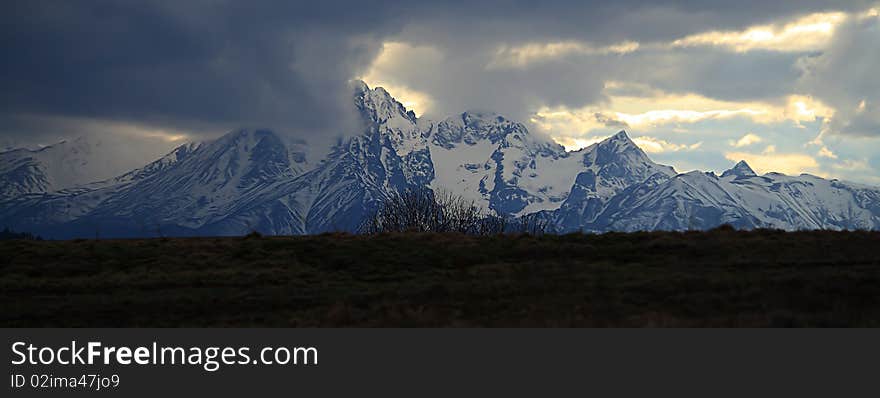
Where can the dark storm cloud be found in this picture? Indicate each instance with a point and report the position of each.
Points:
(715, 73)
(600, 21)
(470, 37)
(268, 63)
(846, 77)
(203, 65)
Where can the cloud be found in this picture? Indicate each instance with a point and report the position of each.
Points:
(647, 143)
(803, 34)
(643, 108)
(562, 54)
(771, 161)
(809, 33)
(827, 153)
(179, 64)
(746, 140)
(130, 145)
(575, 143)
(845, 77)
(655, 145)
(381, 73)
(576, 70)
(524, 55)
(852, 165)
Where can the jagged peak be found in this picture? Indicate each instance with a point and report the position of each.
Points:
(377, 104)
(618, 142)
(741, 169)
(620, 149)
(621, 135)
(375, 94)
(358, 86)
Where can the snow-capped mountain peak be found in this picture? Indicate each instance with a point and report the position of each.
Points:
(621, 140)
(620, 150)
(260, 180)
(741, 169)
(382, 114)
(63, 165)
(619, 143)
(607, 168)
(378, 106)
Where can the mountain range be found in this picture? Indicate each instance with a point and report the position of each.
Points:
(259, 180)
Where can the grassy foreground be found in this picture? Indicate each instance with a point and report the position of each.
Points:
(716, 278)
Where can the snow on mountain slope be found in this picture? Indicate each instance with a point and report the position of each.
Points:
(259, 180)
(69, 204)
(498, 164)
(384, 114)
(687, 201)
(698, 200)
(195, 186)
(208, 185)
(809, 202)
(390, 156)
(386, 119)
(155, 167)
(606, 169)
(63, 165)
(249, 180)
(21, 175)
(740, 170)
(360, 175)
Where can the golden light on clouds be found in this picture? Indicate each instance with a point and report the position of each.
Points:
(664, 122)
(141, 131)
(810, 33)
(575, 143)
(653, 108)
(747, 140)
(93, 125)
(870, 13)
(655, 118)
(826, 153)
(521, 56)
(655, 145)
(382, 71)
(803, 108)
(648, 144)
(413, 100)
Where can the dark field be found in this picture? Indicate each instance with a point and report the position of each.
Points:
(716, 278)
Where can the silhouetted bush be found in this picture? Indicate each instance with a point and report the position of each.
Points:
(531, 224)
(254, 234)
(724, 228)
(423, 210)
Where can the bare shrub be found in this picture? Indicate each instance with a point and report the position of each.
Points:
(423, 210)
(530, 224)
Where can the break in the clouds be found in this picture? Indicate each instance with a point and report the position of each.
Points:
(793, 89)
(789, 86)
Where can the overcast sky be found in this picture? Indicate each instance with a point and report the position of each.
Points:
(788, 86)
